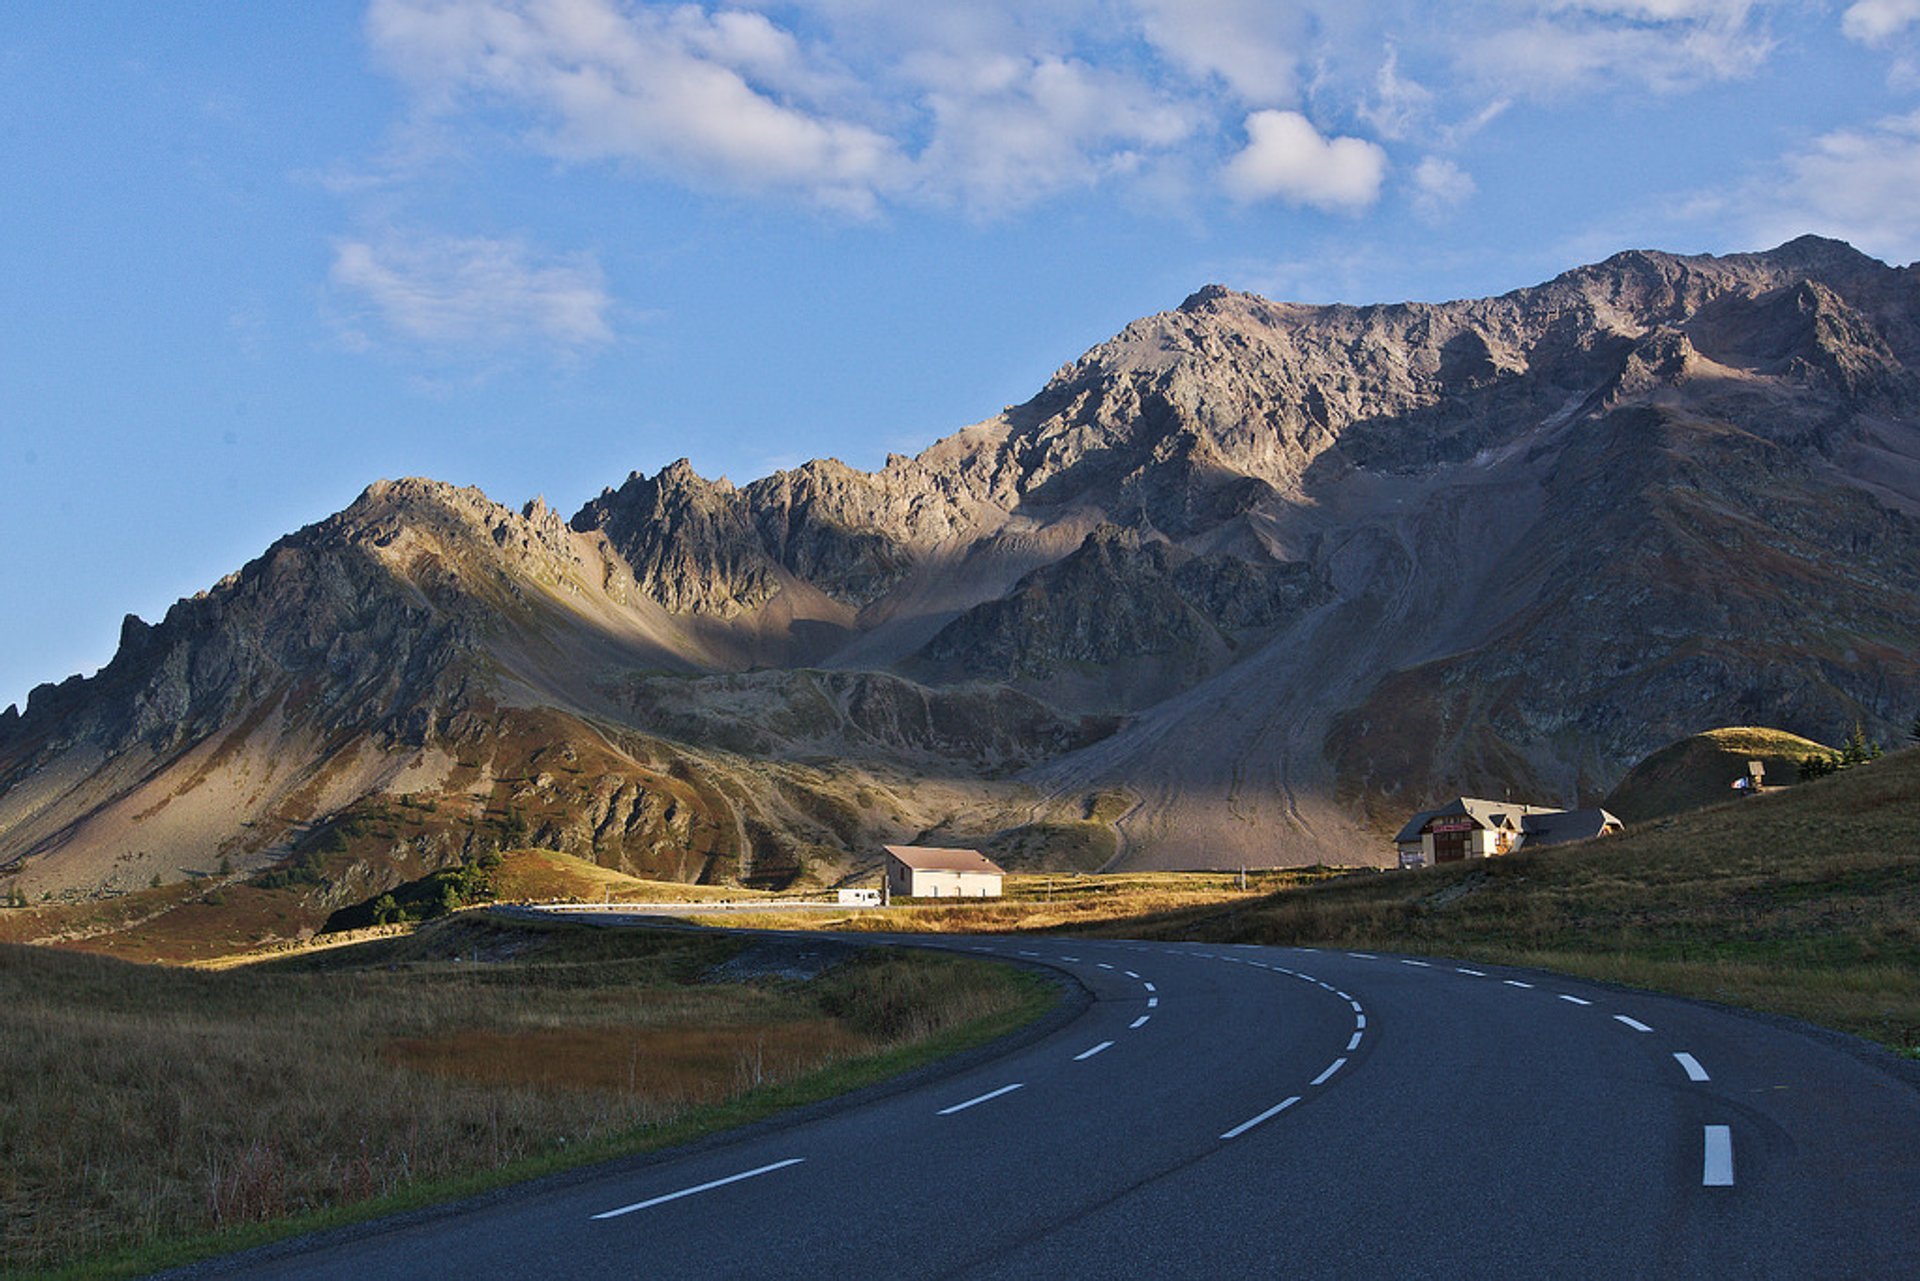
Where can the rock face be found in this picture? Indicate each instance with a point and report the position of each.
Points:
(1274, 574)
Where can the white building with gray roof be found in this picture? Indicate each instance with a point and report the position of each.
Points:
(1469, 827)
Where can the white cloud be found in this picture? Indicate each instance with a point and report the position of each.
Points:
(1254, 46)
(1007, 133)
(1288, 159)
(720, 100)
(1860, 185)
(1398, 105)
(468, 296)
(1584, 46)
(1439, 186)
(1875, 21)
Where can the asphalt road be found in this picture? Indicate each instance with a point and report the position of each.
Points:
(1234, 1111)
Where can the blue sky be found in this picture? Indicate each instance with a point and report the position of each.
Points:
(257, 256)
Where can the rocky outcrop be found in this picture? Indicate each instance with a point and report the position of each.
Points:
(1119, 597)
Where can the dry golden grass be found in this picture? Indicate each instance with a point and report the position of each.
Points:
(1037, 902)
(141, 1104)
(546, 876)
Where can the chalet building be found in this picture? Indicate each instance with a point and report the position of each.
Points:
(1472, 828)
(921, 871)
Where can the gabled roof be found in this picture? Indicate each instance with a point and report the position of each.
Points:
(1411, 832)
(1560, 826)
(1500, 815)
(928, 858)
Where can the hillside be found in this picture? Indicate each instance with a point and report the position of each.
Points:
(1805, 902)
(1254, 579)
(1700, 770)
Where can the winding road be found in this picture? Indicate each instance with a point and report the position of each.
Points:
(1231, 1111)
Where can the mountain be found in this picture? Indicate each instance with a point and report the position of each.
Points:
(1242, 585)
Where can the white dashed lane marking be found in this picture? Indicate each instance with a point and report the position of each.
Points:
(704, 1187)
(1270, 1113)
(1691, 1066)
(1515, 983)
(1152, 1001)
(1150, 987)
(1139, 1022)
(1332, 1067)
(1354, 1044)
(975, 1102)
(1716, 1167)
(1425, 965)
(1576, 1000)
(1461, 969)
(1635, 1024)
(1087, 1054)
(1130, 974)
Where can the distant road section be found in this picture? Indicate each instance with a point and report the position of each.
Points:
(1242, 1111)
(638, 912)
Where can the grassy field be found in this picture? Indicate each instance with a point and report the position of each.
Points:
(1064, 901)
(1804, 902)
(149, 1115)
(211, 919)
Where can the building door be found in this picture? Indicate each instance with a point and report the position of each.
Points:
(1449, 847)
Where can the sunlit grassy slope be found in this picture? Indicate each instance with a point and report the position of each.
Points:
(1805, 902)
(1700, 770)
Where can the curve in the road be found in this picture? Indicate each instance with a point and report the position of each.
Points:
(1236, 1110)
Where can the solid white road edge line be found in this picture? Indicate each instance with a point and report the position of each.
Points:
(1716, 1170)
(1139, 1022)
(1332, 1067)
(1576, 1000)
(990, 1094)
(1635, 1024)
(1087, 1054)
(1692, 1065)
(1268, 1115)
(704, 1187)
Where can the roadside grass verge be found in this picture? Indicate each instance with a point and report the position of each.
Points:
(1804, 903)
(150, 1116)
(1037, 902)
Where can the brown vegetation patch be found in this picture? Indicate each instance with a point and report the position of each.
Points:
(670, 1064)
